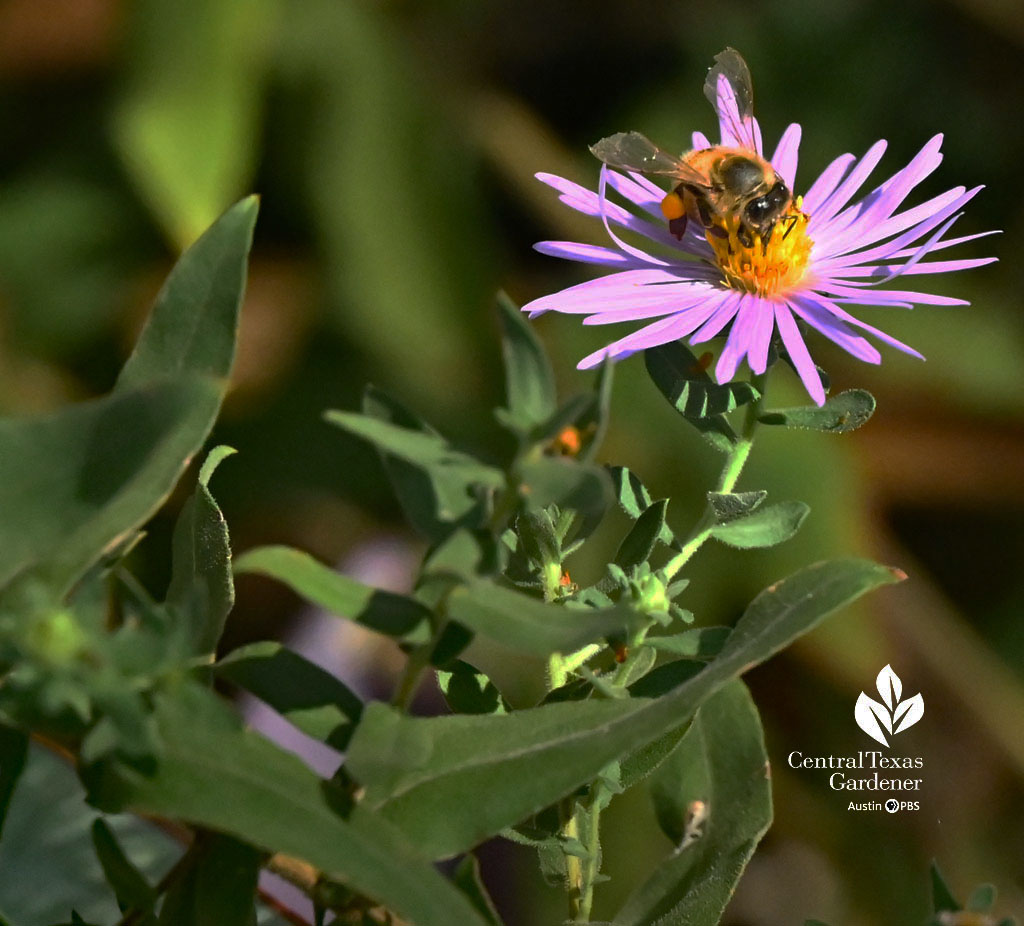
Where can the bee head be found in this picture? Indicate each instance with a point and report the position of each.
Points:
(764, 211)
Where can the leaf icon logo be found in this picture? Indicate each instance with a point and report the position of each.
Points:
(891, 715)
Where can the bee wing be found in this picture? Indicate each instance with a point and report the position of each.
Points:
(730, 64)
(633, 151)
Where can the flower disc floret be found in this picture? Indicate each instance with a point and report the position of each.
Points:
(764, 267)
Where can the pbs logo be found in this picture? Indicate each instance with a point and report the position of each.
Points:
(894, 806)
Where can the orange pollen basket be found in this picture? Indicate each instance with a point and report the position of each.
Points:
(765, 267)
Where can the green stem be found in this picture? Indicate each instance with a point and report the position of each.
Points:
(574, 873)
(405, 690)
(558, 674)
(591, 839)
(734, 463)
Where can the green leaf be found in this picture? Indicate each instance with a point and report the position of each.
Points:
(434, 498)
(982, 899)
(728, 506)
(712, 797)
(463, 554)
(844, 412)
(467, 879)
(594, 422)
(186, 126)
(540, 541)
(13, 752)
(309, 697)
(344, 65)
(214, 459)
(421, 448)
(192, 326)
(215, 774)
(698, 643)
(385, 612)
(449, 782)
(130, 886)
(529, 379)
(568, 484)
(529, 625)
(796, 604)
(127, 449)
(766, 527)
(635, 499)
(218, 886)
(201, 592)
(468, 691)
(47, 841)
(639, 543)
(942, 897)
(679, 376)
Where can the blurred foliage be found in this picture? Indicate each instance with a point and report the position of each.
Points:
(394, 145)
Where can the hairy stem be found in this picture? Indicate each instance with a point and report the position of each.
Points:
(574, 872)
(592, 863)
(734, 463)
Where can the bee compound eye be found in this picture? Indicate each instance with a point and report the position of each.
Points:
(758, 210)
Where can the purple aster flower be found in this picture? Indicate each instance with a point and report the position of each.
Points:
(714, 276)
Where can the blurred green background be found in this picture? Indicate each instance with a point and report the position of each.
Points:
(394, 146)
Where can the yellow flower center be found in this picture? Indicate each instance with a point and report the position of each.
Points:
(765, 267)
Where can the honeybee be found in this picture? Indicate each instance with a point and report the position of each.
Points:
(714, 183)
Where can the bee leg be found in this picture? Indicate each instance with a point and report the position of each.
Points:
(791, 221)
(746, 239)
(677, 227)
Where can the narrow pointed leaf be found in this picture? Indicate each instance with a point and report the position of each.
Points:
(635, 499)
(524, 623)
(639, 543)
(201, 592)
(765, 527)
(217, 888)
(568, 484)
(435, 498)
(537, 534)
(311, 698)
(844, 412)
(186, 124)
(529, 379)
(942, 897)
(192, 326)
(132, 890)
(418, 447)
(449, 782)
(713, 799)
(385, 612)
(698, 643)
(130, 447)
(467, 879)
(213, 773)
